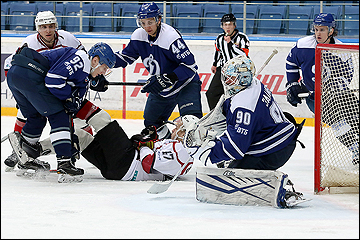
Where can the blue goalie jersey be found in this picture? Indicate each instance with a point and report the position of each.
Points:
(256, 125)
(166, 53)
(69, 69)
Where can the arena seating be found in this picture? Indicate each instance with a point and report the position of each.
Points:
(267, 17)
(252, 12)
(73, 9)
(4, 11)
(298, 13)
(24, 21)
(102, 24)
(188, 25)
(214, 11)
(276, 14)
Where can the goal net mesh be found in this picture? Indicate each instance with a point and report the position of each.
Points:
(338, 109)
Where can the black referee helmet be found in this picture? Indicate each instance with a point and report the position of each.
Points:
(228, 18)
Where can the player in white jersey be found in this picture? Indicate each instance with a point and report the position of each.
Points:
(47, 37)
(118, 157)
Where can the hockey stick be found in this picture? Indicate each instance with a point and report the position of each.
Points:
(275, 51)
(160, 188)
(128, 83)
(4, 138)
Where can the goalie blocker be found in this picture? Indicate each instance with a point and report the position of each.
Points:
(244, 187)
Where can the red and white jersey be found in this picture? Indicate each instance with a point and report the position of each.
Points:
(169, 156)
(34, 41)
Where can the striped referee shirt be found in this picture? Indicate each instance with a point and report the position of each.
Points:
(239, 45)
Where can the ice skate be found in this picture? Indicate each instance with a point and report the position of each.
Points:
(34, 168)
(10, 162)
(293, 198)
(67, 172)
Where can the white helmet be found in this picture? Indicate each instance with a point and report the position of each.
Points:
(237, 74)
(45, 17)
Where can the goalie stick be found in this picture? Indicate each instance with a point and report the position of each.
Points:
(275, 51)
(3, 139)
(161, 187)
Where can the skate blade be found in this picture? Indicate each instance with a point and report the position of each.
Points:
(20, 153)
(32, 174)
(66, 178)
(9, 169)
(297, 202)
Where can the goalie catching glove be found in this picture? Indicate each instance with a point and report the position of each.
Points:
(158, 83)
(147, 137)
(99, 83)
(196, 134)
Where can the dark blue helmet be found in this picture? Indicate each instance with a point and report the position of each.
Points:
(149, 10)
(324, 19)
(105, 54)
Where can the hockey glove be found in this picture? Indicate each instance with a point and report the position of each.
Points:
(147, 137)
(73, 103)
(99, 83)
(157, 83)
(292, 91)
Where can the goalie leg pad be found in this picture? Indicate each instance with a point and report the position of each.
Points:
(241, 187)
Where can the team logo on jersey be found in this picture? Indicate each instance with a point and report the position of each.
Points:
(152, 65)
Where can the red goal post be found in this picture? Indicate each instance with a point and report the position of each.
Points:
(336, 135)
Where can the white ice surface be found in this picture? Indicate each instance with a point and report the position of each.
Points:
(99, 208)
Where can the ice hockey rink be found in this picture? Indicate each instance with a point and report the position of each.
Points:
(99, 208)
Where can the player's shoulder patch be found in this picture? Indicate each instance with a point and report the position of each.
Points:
(307, 42)
(251, 94)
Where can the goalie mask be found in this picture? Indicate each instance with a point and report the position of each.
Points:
(236, 75)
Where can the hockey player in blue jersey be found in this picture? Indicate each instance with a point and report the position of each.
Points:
(50, 86)
(174, 79)
(302, 56)
(258, 135)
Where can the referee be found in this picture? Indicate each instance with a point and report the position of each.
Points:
(228, 45)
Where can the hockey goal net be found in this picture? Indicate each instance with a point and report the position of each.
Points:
(336, 118)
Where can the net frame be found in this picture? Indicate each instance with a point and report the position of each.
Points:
(322, 168)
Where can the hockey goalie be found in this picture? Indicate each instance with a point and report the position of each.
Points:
(248, 137)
